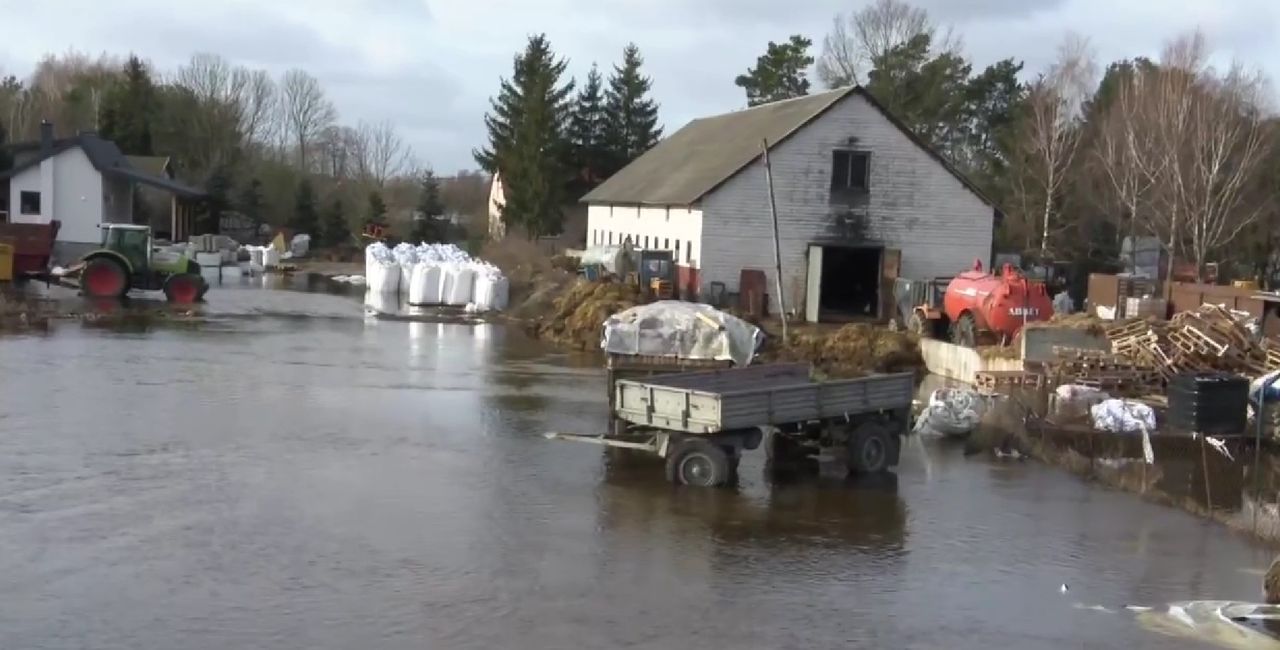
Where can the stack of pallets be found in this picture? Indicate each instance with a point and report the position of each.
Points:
(1104, 370)
(1207, 339)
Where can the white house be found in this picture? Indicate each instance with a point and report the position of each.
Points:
(860, 201)
(82, 181)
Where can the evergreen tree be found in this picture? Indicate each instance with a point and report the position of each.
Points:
(215, 202)
(129, 109)
(527, 126)
(377, 209)
(632, 124)
(429, 224)
(779, 74)
(250, 204)
(305, 219)
(6, 158)
(587, 126)
(335, 231)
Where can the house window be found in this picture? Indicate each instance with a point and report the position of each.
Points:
(646, 242)
(688, 252)
(29, 202)
(666, 244)
(677, 251)
(610, 237)
(850, 172)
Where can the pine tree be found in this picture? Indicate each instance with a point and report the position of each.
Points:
(779, 74)
(305, 219)
(215, 202)
(527, 128)
(587, 126)
(250, 204)
(335, 231)
(6, 159)
(428, 224)
(129, 109)
(377, 209)
(631, 127)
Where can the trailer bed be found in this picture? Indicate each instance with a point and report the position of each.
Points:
(740, 398)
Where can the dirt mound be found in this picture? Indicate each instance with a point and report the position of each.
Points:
(851, 351)
(580, 313)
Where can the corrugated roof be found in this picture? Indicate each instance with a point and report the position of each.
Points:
(708, 151)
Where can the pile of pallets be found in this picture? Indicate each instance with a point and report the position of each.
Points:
(1207, 339)
(1104, 370)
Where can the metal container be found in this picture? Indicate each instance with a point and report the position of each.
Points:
(1214, 404)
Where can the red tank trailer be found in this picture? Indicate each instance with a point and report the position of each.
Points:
(979, 305)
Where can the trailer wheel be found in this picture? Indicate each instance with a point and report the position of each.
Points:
(965, 330)
(779, 447)
(870, 449)
(699, 463)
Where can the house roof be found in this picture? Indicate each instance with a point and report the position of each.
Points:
(154, 165)
(105, 157)
(708, 151)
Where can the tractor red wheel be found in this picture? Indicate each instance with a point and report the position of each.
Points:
(104, 277)
(184, 288)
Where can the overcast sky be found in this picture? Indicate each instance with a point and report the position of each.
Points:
(429, 66)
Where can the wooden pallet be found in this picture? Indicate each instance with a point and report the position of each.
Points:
(991, 381)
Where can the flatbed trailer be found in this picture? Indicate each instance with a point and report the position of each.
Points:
(702, 421)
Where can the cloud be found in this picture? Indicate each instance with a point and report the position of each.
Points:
(430, 65)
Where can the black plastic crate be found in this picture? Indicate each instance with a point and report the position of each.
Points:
(1209, 403)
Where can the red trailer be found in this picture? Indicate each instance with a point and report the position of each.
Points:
(979, 305)
(32, 246)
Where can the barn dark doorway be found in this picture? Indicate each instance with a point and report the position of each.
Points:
(850, 282)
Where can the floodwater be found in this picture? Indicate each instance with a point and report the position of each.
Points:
(296, 474)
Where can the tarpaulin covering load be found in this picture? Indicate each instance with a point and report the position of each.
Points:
(684, 330)
(952, 412)
(616, 260)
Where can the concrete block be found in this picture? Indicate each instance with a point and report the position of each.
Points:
(958, 362)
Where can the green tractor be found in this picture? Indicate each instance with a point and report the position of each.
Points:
(127, 260)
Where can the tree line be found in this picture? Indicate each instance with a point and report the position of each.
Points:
(272, 150)
(1078, 157)
(552, 140)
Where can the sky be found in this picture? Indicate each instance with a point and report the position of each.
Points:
(430, 66)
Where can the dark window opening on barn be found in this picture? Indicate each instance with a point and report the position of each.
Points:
(850, 174)
(688, 252)
(666, 244)
(29, 202)
(677, 258)
(850, 282)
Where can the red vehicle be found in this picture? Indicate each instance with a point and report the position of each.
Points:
(978, 306)
(32, 246)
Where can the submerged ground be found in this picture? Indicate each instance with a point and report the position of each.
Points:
(297, 474)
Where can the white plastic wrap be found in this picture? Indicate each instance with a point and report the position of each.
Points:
(671, 328)
(461, 287)
(424, 285)
(952, 412)
(1123, 416)
(381, 272)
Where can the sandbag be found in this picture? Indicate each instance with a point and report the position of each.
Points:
(1123, 416)
(462, 286)
(952, 412)
(424, 285)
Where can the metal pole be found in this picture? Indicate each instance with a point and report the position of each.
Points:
(777, 250)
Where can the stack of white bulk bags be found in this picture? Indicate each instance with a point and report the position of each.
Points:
(381, 271)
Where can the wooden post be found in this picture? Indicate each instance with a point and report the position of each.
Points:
(777, 248)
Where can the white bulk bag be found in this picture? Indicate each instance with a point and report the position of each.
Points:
(463, 285)
(270, 257)
(501, 293)
(424, 286)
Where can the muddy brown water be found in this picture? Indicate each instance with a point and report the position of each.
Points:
(295, 474)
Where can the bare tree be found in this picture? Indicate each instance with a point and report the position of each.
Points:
(381, 152)
(1120, 150)
(858, 39)
(307, 112)
(1051, 130)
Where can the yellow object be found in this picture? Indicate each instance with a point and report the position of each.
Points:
(278, 242)
(6, 262)
(1245, 284)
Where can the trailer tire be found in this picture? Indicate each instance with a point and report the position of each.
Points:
(870, 449)
(104, 277)
(699, 463)
(964, 332)
(779, 447)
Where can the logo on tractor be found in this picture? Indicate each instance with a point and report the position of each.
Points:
(1029, 312)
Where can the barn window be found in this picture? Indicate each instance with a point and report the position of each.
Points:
(677, 250)
(29, 202)
(688, 252)
(646, 242)
(850, 172)
(666, 244)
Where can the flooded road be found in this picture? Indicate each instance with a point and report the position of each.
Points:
(297, 475)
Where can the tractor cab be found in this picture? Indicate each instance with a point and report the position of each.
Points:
(130, 241)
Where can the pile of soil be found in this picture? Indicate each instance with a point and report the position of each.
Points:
(1076, 321)
(852, 351)
(580, 312)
